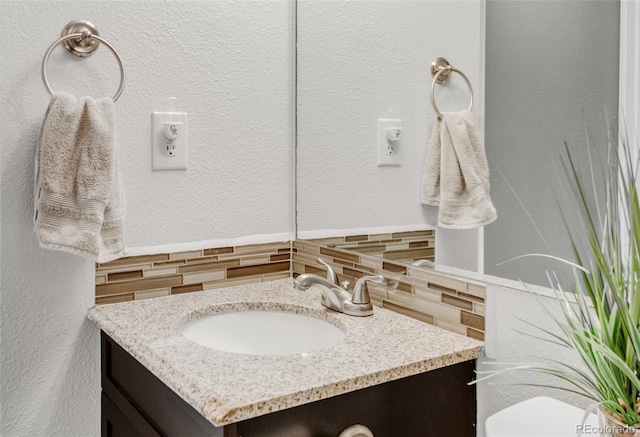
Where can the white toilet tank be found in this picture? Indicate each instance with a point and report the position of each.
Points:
(541, 417)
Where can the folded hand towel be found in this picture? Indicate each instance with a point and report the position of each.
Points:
(456, 174)
(79, 201)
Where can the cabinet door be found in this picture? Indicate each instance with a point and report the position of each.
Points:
(149, 406)
(114, 423)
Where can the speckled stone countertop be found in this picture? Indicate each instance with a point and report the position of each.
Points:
(229, 387)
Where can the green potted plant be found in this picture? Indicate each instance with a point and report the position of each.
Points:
(601, 320)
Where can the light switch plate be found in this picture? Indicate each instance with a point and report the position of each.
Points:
(160, 159)
(389, 152)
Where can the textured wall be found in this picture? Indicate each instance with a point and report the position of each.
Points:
(229, 62)
(551, 67)
(360, 61)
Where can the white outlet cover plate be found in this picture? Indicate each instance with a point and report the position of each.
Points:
(384, 159)
(159, 158)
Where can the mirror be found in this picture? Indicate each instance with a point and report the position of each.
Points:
(361, 61)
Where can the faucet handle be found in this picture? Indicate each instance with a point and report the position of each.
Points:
(361, 292)
(331, 274)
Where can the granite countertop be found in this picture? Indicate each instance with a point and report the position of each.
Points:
(228, 387)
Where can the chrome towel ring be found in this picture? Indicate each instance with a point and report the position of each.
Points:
(81, 39)
(441, 71)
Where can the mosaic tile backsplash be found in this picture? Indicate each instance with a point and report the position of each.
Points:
(447, 302)
(146, 276)
(398, 246)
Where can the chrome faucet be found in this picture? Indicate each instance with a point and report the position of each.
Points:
(337, 298)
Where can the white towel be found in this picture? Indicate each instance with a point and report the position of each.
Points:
(456, 174)
(79, 201)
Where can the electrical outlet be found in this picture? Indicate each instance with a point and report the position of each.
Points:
(389, 142)
(169, 141)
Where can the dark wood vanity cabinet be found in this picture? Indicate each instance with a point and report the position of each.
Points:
(437, 403)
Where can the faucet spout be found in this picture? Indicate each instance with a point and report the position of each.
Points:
(332, 295)
(306, 280)
(336, 298)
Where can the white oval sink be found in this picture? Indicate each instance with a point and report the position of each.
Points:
(262, 333)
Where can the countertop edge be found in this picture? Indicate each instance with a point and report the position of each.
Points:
(338, 388)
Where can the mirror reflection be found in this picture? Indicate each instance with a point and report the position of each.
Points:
(413, 247)
(366, 61)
